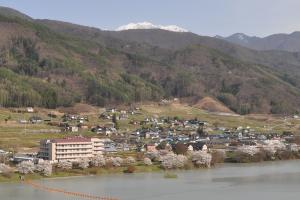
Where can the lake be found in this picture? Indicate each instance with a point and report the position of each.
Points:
(268, 180)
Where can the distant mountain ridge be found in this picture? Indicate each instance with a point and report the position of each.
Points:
(281, 42)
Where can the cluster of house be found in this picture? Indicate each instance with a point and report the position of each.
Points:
(152, 132)
(122, 114)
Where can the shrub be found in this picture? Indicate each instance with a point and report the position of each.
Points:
(139, 156)
(147, 161)
(109, 162)
(188, 165)
(241, 157)
(218, 156)
(153, 156)
(181, 148)
(285, 155)
(130, 169)
(261, 156)
(93, 171)
(297, 140)
(130, 160)
(6, 170)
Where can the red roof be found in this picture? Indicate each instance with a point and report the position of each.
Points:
(71, 140)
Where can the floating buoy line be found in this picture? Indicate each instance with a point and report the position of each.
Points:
(67, 193)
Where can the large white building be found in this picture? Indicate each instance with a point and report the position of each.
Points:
(71, 148)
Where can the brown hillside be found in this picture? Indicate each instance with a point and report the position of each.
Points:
(212, 105)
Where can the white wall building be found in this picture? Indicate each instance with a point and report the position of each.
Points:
(71, 148)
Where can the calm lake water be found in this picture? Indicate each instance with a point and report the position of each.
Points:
(269, 180)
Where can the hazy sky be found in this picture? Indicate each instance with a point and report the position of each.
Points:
(205, 17)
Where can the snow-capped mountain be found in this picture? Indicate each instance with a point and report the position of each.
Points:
(282, 41)
(148, 25)
(241, 37)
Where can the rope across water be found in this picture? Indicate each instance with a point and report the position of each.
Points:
(68, 193)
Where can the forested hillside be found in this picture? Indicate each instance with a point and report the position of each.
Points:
(49, 64)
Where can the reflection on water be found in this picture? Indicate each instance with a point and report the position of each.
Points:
(270, 180)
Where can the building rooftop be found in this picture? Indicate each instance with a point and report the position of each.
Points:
(71, 140)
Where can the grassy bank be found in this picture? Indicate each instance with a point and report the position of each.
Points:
(14, 177)
(96, 171)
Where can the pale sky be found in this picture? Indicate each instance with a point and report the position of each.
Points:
(204, 17)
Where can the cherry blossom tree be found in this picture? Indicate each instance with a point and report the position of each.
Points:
(83, 163)
(173, 161)
(98, 161)
(5, 168)
(247, 149)
(26, 167)
(65, 165)
(272, 146)
(201, 158)
(116, 162)
(44, 167)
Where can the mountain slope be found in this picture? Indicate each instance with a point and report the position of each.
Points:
(50, 63)
(158, 43)
(12, 13)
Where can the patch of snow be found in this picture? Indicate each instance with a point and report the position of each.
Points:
(242, 37)
(148, 25)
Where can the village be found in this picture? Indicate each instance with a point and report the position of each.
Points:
(129, 135)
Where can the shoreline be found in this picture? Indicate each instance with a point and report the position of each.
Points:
(120, 170)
